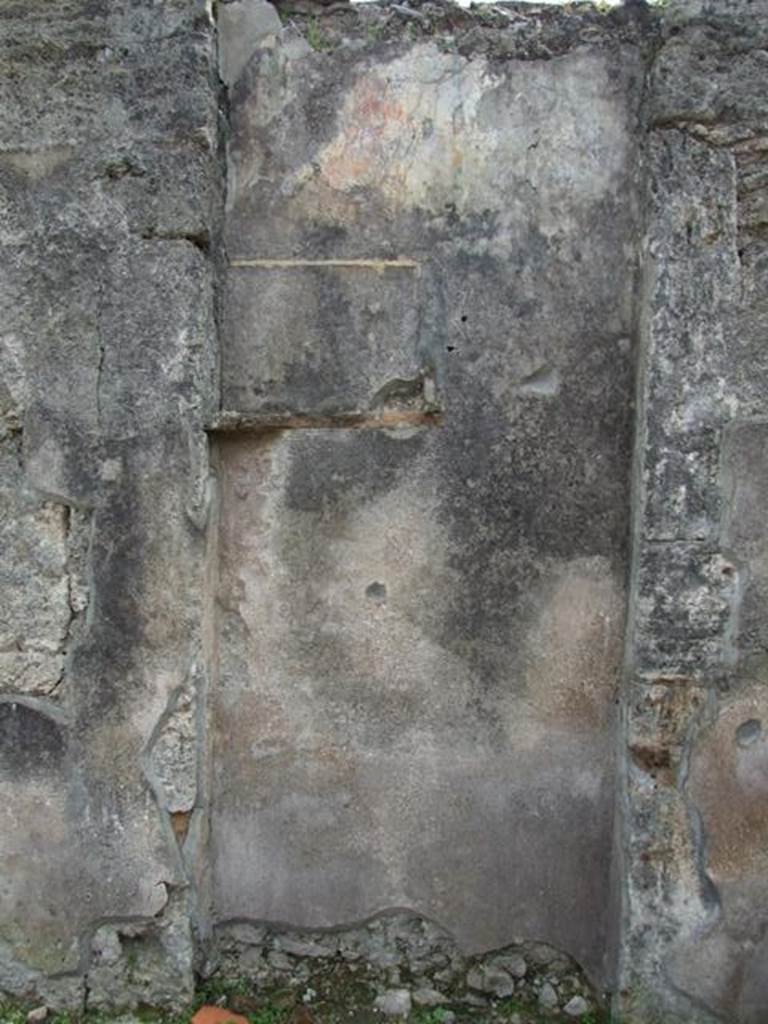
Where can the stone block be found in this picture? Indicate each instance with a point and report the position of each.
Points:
(685, 607)
(71, 98)
(243, 26)
(693, 77)
(107, 373)
(30, 672)
(323, 339)
(681, 478)
(35, 611)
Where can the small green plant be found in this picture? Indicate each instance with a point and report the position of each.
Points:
(509, 1006)
(374, 31)
(434, 1016)
(269, 1015)
(219, 990)
(316, 38)
(12, 1014)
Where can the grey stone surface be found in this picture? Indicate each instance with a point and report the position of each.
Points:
(395, 1002)
(695, 908)
(548, 999)
(428, 997)
(142, 963)
(243, 26)
(576, 1007)
(108, 184)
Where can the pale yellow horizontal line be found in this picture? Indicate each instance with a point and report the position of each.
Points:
(380, 265)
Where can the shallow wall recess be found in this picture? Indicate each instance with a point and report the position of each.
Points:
(420, 622)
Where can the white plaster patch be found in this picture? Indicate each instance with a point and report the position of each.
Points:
(433, 125)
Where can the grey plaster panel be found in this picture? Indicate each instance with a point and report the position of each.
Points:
(321, 338)
(420, 628)
(376, 743)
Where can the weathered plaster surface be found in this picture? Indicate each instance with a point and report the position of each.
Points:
(108, 176)
(421, 627)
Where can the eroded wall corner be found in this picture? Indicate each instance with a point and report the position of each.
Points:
(110, 189)
(696, 790)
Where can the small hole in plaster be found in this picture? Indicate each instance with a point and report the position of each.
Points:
(449, 348)
(464, 318)
(748, 732)
(376, 592)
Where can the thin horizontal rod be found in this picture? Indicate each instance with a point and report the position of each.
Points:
(379, 265)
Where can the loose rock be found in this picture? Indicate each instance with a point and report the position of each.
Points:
(279, 961)
(428, 997)
(310, 949)
(548, 997)
(576, 1007)
(492, 980)
(474, 999)
(512, 963)
(38, 1015)
(395, 1002)
(243, 27)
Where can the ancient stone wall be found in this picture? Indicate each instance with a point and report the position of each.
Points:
(110, 183)
(695, 827)
(383, 548)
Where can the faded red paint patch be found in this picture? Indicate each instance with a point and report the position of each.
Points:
(374, 127)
